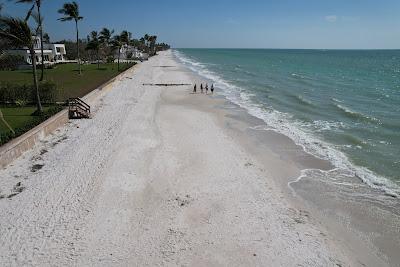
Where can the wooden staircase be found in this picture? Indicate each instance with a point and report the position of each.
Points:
(78, 109)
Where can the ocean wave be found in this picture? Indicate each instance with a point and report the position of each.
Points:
(336, 100)
(321, 126)
(284, 124)
(354, 114)
(301, 76)
(298, 76)
(304, 100)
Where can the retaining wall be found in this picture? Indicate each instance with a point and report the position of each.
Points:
(16, 147)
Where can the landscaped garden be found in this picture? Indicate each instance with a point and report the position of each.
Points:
(28, 97)
(66, 78)
(62, 82)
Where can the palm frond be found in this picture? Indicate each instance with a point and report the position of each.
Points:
(70, 12)
(16, 31)
(38, 19)
(29, 13)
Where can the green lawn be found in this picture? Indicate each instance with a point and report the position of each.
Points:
(69, 83)
(17, 117)
(67, 78)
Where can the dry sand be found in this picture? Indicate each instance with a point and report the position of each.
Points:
(159, 176)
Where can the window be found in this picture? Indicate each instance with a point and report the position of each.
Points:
(58, 49)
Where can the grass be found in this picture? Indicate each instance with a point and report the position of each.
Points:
(68, 81)
(17, 117)
(67, 78)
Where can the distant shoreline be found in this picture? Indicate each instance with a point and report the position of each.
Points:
(299, 49)
(344, 206)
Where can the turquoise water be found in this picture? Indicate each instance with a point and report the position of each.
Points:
(343, 106)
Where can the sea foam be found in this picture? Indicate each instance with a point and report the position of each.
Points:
(282, 123)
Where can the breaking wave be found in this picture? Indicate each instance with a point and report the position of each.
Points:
(284, 124)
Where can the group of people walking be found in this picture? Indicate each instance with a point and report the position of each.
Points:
(202, 88)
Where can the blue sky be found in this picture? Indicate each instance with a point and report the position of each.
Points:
(327, 24)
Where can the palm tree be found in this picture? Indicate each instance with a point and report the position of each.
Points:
(105, 36)
(142, 44)
(39, 21)
(125, 37)
(117, 44)
(46, 38)
(94, 44)
(105, 39)
(147, 39)
(153, 40)
(18, 33)
(71, 12)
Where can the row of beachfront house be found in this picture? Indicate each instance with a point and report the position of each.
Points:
(52, 53)
(56, 53)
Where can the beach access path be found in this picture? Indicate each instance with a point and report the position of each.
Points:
(152, 180)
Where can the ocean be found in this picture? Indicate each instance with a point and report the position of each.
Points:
(339, 105)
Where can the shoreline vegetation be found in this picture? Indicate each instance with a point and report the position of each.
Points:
(22, 88)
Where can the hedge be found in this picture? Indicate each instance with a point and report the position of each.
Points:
(10, 62)
(25, 93)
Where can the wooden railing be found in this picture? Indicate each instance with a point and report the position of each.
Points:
(78, 109)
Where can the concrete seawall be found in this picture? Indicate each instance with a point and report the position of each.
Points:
(16, 147)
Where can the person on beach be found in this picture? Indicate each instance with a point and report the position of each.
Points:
(201, 88)
(212, 88)
(195, 88)
(206, 88)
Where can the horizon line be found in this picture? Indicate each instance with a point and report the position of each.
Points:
(270, 48)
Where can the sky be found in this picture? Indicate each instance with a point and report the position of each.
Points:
(313, 24)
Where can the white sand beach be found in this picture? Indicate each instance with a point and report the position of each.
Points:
(160, 176)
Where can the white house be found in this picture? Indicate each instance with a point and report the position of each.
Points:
(130, 52)
(52, 53)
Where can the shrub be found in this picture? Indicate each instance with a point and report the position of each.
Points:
(48, 92)
(129, 55)
(25, 93)
(10, 93)
(110, 59)
(20, 103)
(11, 62)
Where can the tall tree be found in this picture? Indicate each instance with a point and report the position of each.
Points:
(18, 33)
(147, 39)
(105, 38)
(142, 44)
(117, 43)
(39, 20)
(125, 37)
(71, 12)
(46, 38)
(94, 45)
(153, 40)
